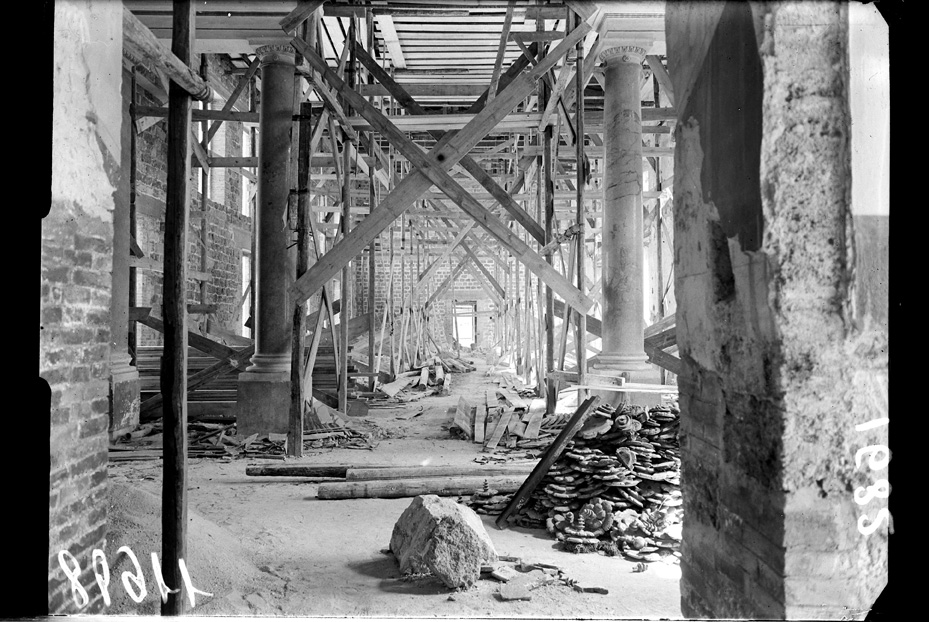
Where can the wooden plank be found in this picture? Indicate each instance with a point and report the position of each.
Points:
(199, 114)
(147, 263)
(463, 419)
(501, 48)
(661, 74)
(480, 422)
(385, 24)
(398, 488)
(237, 362)
(512, 399)
(497, 434)
(534, 426)
(472, 167)
(444, 154)
(664, 360)
(301, 13)
(548, 458)
(234, 96)
(204, 344)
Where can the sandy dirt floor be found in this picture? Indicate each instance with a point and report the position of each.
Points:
(269, 547)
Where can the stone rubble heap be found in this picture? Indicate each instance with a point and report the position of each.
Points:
(615, 488)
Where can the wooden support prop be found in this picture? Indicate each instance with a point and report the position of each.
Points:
(661, 74)
(399, 488)
(234, 96)
(664, 360)
(548, 458)
(300, 14)
(143, 42)
(446, 252)
(469, 164)
(501, 49)
(174, 362)
(442, 157)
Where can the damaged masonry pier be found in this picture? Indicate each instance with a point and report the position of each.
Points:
(468, 309)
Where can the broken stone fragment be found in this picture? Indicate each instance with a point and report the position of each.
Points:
(443, 537)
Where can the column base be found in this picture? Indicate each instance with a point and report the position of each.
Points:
(262, 403)
(633, 369)
(124, 400)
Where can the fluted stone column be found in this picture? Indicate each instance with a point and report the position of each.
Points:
(623, 296)
(263, 400)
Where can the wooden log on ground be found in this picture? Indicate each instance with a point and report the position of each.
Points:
(548, 458)
(415, 472)
(299, 470)
(399, 488)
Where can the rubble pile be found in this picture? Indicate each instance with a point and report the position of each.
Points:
(615, 488)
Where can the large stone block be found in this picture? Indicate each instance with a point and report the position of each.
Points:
(442, 537)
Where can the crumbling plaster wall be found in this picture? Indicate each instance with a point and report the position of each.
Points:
(77, 256)
(779, 366)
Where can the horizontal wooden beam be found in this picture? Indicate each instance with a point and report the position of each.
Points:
(198, 115)
(140, 40)
(147, 263)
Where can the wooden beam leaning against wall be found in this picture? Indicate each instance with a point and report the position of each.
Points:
(431, 169)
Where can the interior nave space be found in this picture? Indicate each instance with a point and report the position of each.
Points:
(468, 309)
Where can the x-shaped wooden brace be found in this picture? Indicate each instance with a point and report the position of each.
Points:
(431, 169)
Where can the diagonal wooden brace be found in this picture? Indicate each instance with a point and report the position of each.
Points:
(432, 171)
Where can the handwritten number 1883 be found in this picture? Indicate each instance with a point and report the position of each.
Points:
(878, 459)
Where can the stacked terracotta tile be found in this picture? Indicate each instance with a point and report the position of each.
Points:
(615, 487)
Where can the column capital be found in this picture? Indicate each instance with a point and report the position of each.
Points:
(277, 53)
(624, 54)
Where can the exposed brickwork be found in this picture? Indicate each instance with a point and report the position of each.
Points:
(74, 300)
(776, 373)
(228, 230)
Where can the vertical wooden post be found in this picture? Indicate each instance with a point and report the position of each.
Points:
(549, 208)
(581, 339)
(174, 360)
(297, 371)
(133, 227)
(204, 197)
(369, 17)
(346, 227)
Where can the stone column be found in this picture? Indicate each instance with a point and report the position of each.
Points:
(623, 297)
(263, 400)
(124, 378)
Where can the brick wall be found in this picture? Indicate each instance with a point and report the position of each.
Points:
(778, 370)
(77, 248)
(228, 230)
